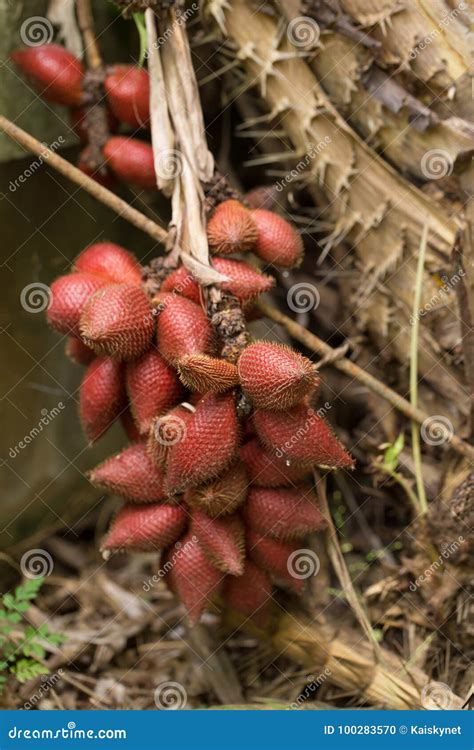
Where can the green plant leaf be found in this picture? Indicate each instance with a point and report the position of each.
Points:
(392, 453)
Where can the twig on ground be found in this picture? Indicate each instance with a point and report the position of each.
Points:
(415, 321)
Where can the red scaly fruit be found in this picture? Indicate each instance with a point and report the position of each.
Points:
(274, 556)
(208, 446)
(128, 94)
(202, 373)
(224, 495)
(231, 229)
(182, 328)
(69, 296)
(250, 593)
(129, 426)
(152, 387)
(110, 261)
(266, 470)
(275, 376)
(78, 352)
(277, 241)
(245, 282)
(222, 539)
(101, 396)
(284, 513)
(300, 435)
(132, 474)
(145, 528)
(165, 431)
(131, 160)
(54, 72)
(181, 282)
(118, 321)
(192, 576)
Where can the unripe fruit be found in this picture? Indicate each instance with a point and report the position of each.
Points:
(192, 576)
(128, 94)
(274, 557)
(277, 241)
(152, 388)
(245, 283)
(300, 435)
(231, 229)
(222, 539)
(78, 352)
(250, 593)
(275, 376)
(266, 470)
(283, 514)
(182, 328)
(54, 72)
(202, 373)
(208, 446)
(112, 262)
(145, 528)
(69, 296)
(101, 396)
(132, 474)
(131, 160)
(118, 321)
(224, 495)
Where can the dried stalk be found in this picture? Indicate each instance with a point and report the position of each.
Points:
(86, 26)
(324, 648)
(339, 565)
